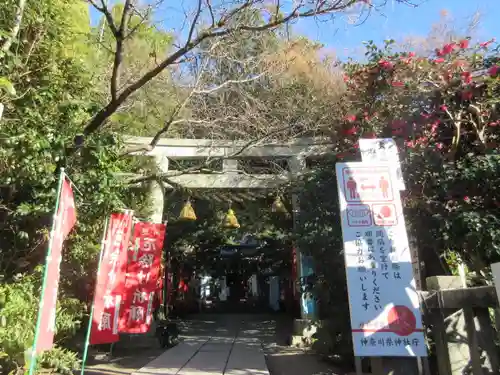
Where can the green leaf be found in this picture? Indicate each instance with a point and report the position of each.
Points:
(7, 86)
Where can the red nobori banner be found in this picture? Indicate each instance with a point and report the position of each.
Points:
(142, 275)
(111, 280)
(64, 221)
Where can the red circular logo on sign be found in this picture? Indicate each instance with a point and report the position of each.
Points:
(402, 321)
(385, 211)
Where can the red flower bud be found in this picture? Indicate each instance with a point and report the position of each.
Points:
(486, 44)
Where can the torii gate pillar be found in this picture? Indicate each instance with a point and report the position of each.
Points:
(158, 192)
(305, 266)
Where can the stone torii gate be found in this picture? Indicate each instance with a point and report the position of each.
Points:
(230, 177)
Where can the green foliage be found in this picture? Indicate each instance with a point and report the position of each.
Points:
(18, 317)
(319, 234)
(64, 361)
(56, 93)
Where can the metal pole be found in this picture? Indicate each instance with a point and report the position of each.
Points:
(45, 275)
(89, 328)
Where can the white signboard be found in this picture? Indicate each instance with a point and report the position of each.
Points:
(382, 150)
(386, 150)
(384, 305)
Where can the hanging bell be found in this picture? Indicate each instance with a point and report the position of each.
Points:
(278, 206)
(230, 221)
(187, 212)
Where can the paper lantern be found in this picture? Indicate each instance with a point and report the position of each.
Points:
(187, 212)
(230, 221)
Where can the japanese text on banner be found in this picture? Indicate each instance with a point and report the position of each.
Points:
(142, 277)
(384, 306)
(111, 280)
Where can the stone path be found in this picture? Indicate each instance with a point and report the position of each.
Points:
(219, 345)
(213, 347)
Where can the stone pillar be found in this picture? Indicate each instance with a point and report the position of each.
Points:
(157, 205)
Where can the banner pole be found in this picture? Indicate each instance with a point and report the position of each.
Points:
(89, 328)
(45, 275)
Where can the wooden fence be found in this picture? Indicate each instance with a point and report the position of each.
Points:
(460, 325)
(464, 333)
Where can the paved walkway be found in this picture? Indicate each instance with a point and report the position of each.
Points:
(218, 345)
(211, 346)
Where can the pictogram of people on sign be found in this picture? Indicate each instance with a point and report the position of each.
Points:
(384, 187)
(352, 186)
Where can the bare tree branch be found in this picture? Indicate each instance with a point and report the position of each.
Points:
(120, 36)
(302, 10)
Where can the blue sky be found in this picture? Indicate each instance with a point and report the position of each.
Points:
(397, 21)
(400, 21)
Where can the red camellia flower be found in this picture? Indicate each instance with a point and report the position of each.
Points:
(410, 144)
(443, 108)
(411, 54)
(398, 84)
(448, 48)
(494, 123)
(464, 43)
(384, 64)
(494, 70)
(350, 118)
(439, 146)
(467, 199)
(351, 131)
(466, 77)
(439, 60)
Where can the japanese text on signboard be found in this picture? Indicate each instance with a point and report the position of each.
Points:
(385, 315)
